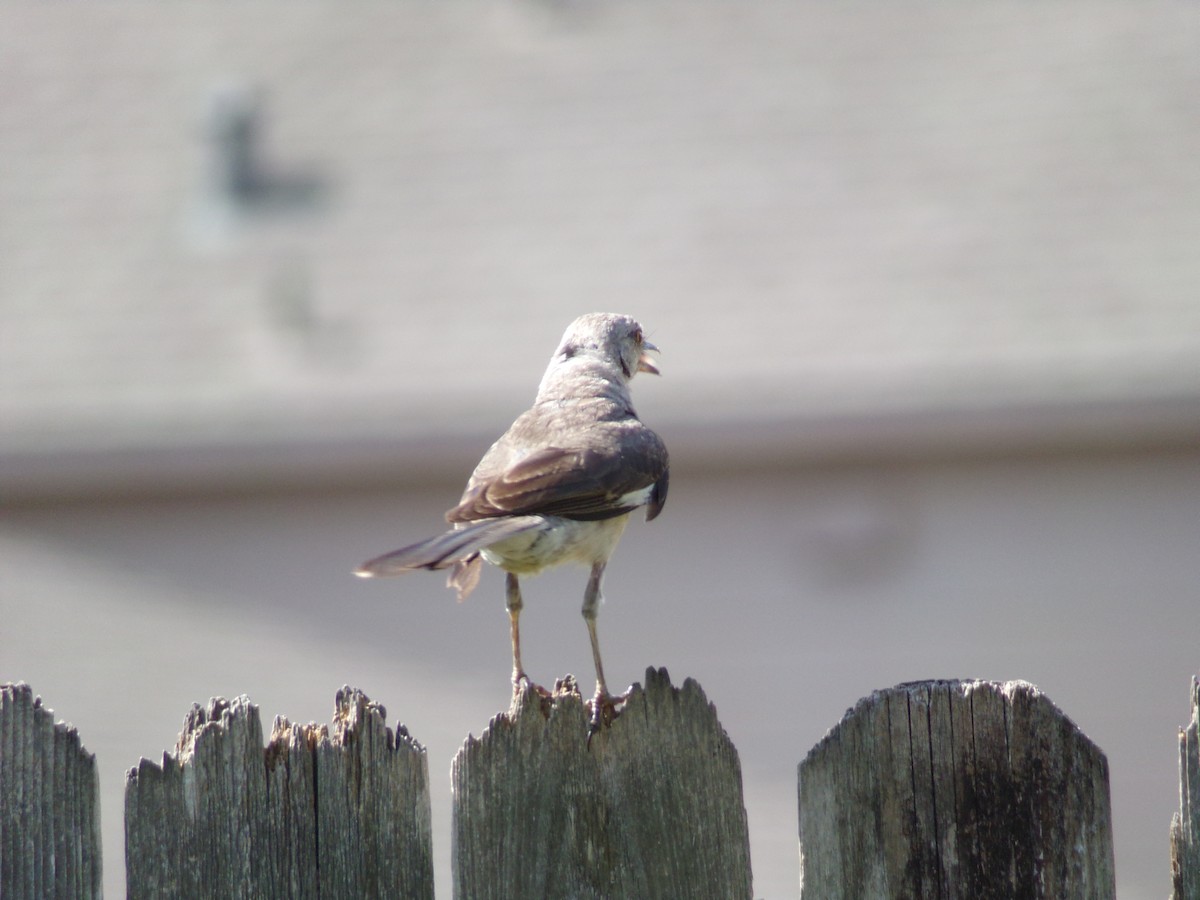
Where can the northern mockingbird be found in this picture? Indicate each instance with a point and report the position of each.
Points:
(560, 484)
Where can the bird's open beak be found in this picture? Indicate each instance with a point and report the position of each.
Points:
(645, 363)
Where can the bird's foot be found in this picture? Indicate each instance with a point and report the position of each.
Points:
(520, 680)
(603, 708)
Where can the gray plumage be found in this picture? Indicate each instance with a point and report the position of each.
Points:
(559, 485)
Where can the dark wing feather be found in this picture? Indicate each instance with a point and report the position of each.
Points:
(573, 483)
(658, 497)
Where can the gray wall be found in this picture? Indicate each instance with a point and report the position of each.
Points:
(788, 593)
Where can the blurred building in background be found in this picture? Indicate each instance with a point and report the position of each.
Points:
(927, 287)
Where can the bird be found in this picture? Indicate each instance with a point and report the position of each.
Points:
(559, 486)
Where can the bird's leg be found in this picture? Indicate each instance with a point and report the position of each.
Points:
(591, 606)
(604, 704)
(513, 603)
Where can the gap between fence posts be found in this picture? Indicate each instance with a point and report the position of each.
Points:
(956, 789)
(49, 804)
(650, 807)
(323, 811)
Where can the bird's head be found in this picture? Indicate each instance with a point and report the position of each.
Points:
(609, 338)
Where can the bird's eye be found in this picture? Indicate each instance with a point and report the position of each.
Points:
(637, 336)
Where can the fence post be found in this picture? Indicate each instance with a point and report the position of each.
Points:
(650, 807)
(323, 811)
(955, 789)
(1185, 826)
(49, 804)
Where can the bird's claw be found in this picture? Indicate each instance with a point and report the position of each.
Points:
(604, 708)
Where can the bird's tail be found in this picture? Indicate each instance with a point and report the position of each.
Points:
(447, 549)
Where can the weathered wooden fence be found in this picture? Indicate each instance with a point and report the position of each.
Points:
(956, 789)
(941, 789)
(324, 811)
(1185, 827)
(49, 804)
(649, 807)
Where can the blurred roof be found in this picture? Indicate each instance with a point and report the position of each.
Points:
(265, 229)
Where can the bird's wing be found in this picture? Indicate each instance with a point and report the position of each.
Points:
(597, 482)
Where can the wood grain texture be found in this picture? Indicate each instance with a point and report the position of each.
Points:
(49, 804)
(1185, 828)
(650, 807)
(955, 789)
(338, 810)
